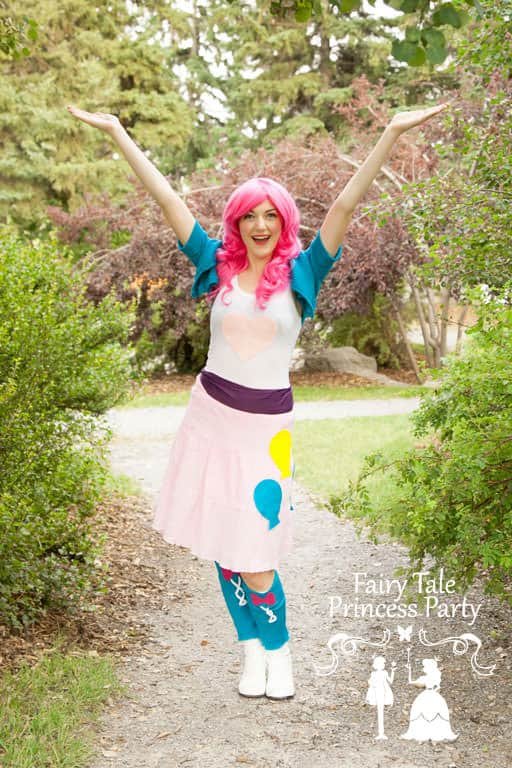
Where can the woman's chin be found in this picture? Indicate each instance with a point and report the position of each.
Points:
(261, 256)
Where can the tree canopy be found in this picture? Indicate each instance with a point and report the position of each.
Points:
(93, 54)
(187, 84)
(425, 39)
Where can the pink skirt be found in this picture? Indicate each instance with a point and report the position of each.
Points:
(227, 489)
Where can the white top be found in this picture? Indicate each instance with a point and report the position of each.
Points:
(249, 345)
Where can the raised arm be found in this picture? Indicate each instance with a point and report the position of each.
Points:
(175, 211)
(340, 213)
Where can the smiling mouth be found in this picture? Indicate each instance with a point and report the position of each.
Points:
(261, 239)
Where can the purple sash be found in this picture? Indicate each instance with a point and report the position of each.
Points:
(246, 398)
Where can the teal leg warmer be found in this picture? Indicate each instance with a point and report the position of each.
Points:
(234, 591)
(268, 610)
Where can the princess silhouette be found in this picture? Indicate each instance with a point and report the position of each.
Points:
(429, 717)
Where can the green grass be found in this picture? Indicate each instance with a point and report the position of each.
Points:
(122, 485)
(355, 393)
(300, 393)
(47, 710)
(330, 452)
(154, 401)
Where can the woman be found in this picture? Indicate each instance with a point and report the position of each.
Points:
(226, 493)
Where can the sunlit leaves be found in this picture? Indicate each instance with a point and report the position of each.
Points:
(421, 44)
(409, 6)
(15, 33)
(447, 14)
(346, 6)
(405, 50)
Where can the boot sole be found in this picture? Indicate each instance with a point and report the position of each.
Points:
(251, 695)
(280, 698)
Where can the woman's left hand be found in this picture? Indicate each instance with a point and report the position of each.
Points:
(404, 120)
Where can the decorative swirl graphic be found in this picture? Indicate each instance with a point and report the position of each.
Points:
(460, 646)
(348, 647)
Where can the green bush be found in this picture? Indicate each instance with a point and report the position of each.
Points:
(62, 364)
(454, 491)
(164, 343)
(374, 334)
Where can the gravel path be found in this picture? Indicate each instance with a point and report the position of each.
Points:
(184, 709)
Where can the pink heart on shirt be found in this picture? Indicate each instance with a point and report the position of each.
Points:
(248, 335)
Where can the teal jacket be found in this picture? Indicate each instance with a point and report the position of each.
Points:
(308, 269)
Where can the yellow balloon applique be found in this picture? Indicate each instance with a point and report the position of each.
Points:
(281, 451)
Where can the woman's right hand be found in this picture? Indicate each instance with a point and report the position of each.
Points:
(175, 211)
(101, 120)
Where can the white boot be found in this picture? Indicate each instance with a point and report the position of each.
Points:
(253, 678)
(279, 674)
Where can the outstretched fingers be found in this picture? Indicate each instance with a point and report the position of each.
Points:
(101, 120)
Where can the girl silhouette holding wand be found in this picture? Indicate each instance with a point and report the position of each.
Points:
(379, 692)
(226, 491)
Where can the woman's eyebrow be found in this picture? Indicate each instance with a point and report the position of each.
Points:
(267, 211)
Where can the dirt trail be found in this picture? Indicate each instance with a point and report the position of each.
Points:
(184, 709)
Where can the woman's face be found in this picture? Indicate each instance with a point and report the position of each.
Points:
(260, 230)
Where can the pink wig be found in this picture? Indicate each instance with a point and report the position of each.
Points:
(232, 255)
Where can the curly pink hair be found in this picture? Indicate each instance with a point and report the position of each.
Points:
(232, 255)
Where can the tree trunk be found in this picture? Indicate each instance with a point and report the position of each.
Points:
(460, 328)
(435, 340)
(422, 319)
(403, 332)
(445, 314)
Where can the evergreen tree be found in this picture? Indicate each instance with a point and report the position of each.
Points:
(102, 57)
(298, 72)
(164, 72)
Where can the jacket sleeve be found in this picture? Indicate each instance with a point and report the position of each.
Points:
(309, 270)
(202, 252)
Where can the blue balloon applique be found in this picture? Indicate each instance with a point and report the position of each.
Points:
(267, 497)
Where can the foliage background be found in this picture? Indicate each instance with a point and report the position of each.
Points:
(63, 362)
(453, 501)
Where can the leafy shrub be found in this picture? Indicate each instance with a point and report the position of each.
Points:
(374, 333)
(454, 491)
(62, 364)
(159, 349)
